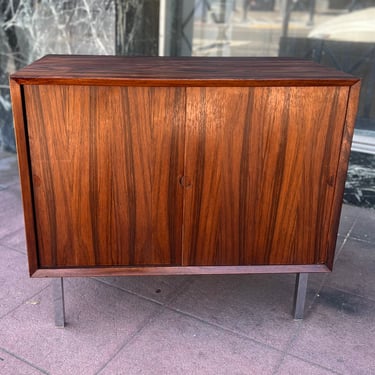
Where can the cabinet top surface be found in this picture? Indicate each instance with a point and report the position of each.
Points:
(179, 71)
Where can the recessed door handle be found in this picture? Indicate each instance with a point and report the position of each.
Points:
(185, 181)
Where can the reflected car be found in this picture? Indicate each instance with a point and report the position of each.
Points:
(358, 26)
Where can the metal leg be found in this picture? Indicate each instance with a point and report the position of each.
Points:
(300, 295)
(58, 301)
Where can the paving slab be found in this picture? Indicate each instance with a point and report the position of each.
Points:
(176, 344)
(11, 218)
(354, 270)
(364, 228)
(16, 286)
(13, 365)
(293, 366)
(8, 169)
(257, 306)
(100, 319)
(339, 333)
(348, 218)
(156, 288)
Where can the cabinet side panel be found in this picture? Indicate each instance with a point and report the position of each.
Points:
(101, 164)
(347, 137)
(264, 162)
(20, 127)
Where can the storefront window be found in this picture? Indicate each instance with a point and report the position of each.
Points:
(338, 33)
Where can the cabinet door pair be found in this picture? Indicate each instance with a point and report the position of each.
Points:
(183, 175)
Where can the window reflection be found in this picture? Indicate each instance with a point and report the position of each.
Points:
(337, 33)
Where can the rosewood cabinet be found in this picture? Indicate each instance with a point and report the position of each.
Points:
(134, 165)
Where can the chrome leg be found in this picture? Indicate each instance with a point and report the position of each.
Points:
(58, 302)
(300, 295)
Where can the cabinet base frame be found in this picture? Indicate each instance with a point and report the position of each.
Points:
(176, 270)
(59, 305)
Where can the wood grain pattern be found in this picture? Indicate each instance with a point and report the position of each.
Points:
(263, 164)
(105, 171)
(181, 165)
(180, 71)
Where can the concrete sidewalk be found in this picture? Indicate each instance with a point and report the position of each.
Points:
(187, 325)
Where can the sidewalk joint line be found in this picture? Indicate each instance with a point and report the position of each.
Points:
(24, 361)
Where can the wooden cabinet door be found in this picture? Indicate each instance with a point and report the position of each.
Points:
(261, 164)
(105, 165)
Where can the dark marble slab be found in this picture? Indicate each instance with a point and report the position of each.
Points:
(360, 182)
